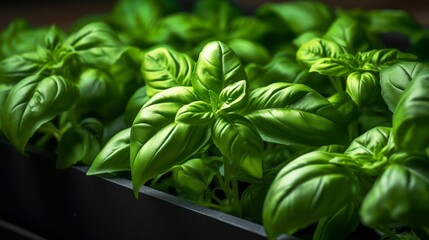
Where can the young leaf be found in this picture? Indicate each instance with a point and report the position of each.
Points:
(384, 57)
(163, 68)
(294, 114)
(233, 96)
(238, 141)
(399, 196)
(197, 112)
(394, 79)
(217, 67)
(80, 143)
(410, 128)
(363, 88)
(34, 101)
(305, 191)
(336, 67)
(316, 49)
(114, 156)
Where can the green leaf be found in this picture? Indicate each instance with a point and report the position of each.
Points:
(249, 51)
(80, 143)
(238, 140)
(16, 67)
(19, 37)
(316, 49)
(373, 143)
(335, 67)
(169, 146)
(163, 68)
(196, 113)
(219, 13)
(363, 88)
(34, 101)
(100, 96)
(247, 27)
(188, 27)
(157, 142)
(281, 68)
(114, 156)
(305, 191)
(294, 114)
(349, 34)
(217, 67)
(134, 17)
(134, 104)
(410, 128)
(301, 16)
(394, 79)
(345, 105)
(384, 57)
(339, 225)
(234, 96)
(93, 35)
(399, 196)
(194, 176)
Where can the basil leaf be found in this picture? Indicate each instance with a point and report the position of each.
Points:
(336, 67)
(194, 176)
(340, 225)
(16, 67)
(345, 105)
(399, 196)
(19, 37)
(100, 96)
(197, 112)
(238, 140)
(34, 101)
(218, 12)
(134, 17)
(188, 27)
(299, 16)
(234, 96)
(80, 143)
(157, 143)
(249, 51)
(385, 57)
(247, 27)
(134, 104)
(394, 79)
(169, 146)
(372, 142)
(217, 67)
(163, 68)
(410, 129)
(362, 88)
(305, 191)
(97, 34)
(315, 49)
(349, 34)
(294, 114)
(114, 156)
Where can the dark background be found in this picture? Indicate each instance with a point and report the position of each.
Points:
(62, 13)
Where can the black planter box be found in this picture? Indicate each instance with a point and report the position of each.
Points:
(38, 201)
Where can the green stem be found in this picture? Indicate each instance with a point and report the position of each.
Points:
(337, 83)
(230, 188)
(388, 232)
